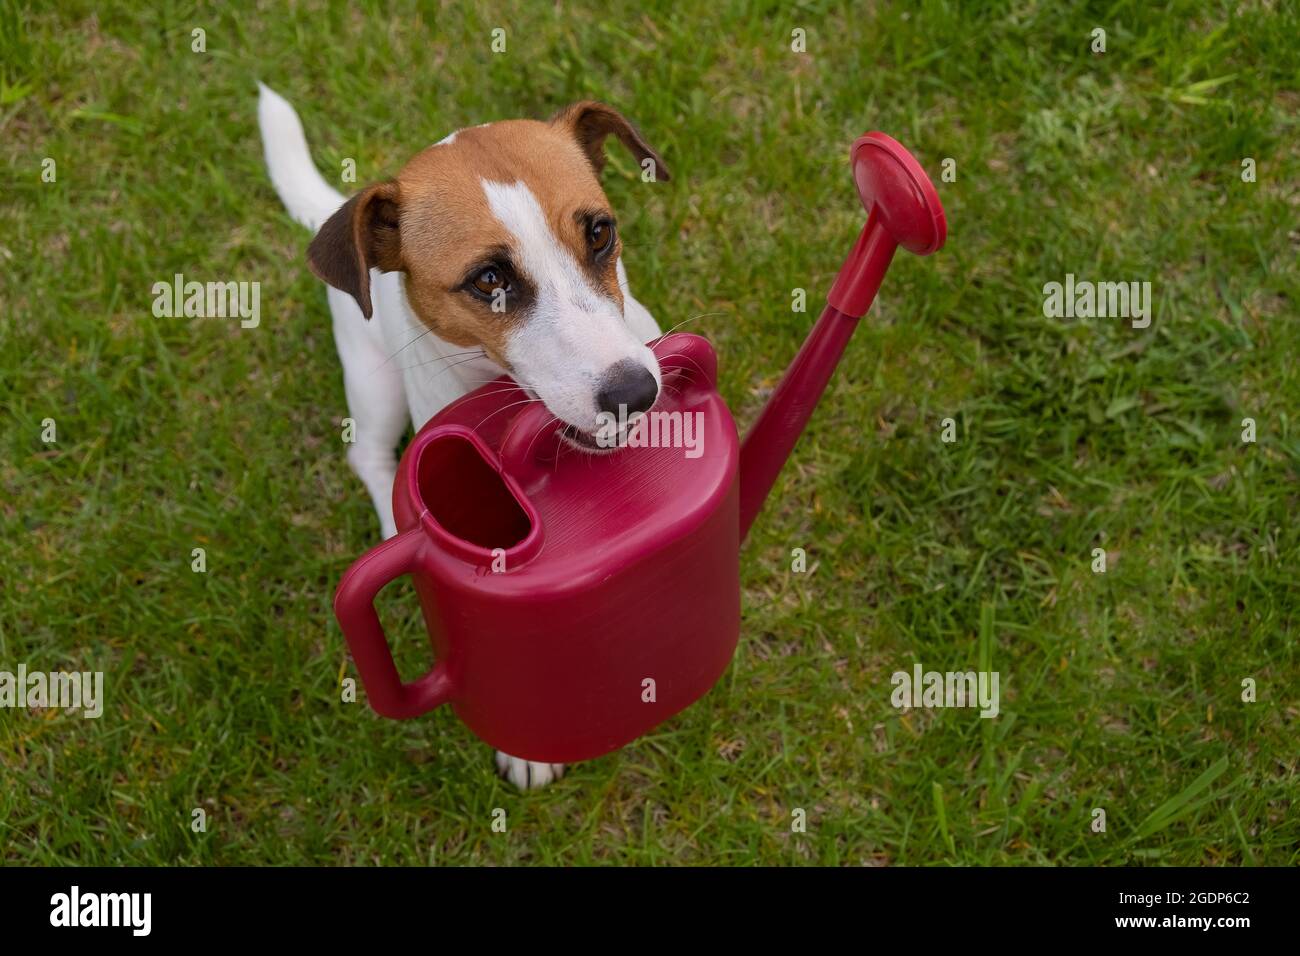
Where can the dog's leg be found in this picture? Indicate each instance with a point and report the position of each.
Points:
(376, 403)
(527, 774)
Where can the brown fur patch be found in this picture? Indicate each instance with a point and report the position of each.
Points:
(447, 226)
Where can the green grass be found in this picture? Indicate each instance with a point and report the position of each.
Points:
(1120, 691)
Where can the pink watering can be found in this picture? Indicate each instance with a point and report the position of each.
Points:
(576, 601)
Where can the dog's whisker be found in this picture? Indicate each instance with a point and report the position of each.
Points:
(526, 401)
(702, 315)
(509, 384)
(462, 361)
(687, 357)
(513, 428)
(448, 368)
(553, 419)
(484, 392)
(505, 387)
(403, 348)
(516, 425)
(559, 451)
(472, 353)
(441, 358)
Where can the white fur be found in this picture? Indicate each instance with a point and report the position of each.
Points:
(304, 192)
(528, 774)
(395, 369)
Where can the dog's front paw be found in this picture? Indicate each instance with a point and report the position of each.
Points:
(527, 774)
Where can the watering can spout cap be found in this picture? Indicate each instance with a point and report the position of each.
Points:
(903, 209)
(892, 184)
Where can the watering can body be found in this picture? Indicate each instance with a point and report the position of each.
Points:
(573, 600)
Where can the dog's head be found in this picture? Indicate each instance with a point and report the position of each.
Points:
(508, 243)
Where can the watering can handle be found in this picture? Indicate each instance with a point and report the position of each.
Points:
(354, 606)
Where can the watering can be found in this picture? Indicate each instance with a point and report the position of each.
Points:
(575, 601)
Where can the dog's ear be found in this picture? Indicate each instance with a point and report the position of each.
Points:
(590, 122)
(362, 235)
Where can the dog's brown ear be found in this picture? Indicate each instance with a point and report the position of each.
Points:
(590, 122)
(362, 235)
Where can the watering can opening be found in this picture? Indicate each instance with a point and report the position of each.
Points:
(467, 498)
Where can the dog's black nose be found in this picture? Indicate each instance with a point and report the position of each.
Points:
(627, 383)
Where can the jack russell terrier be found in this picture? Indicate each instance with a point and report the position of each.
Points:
(493, 251)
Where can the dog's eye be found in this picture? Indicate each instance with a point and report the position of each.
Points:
(490, 280)
(600, 236)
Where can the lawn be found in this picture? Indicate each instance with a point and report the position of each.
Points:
(1121, 691)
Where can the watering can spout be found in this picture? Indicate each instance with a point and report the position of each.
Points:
(903, 209)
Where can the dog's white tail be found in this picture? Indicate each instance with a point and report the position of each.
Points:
(304, 192)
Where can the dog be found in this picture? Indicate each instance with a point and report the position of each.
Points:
(493, 251)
